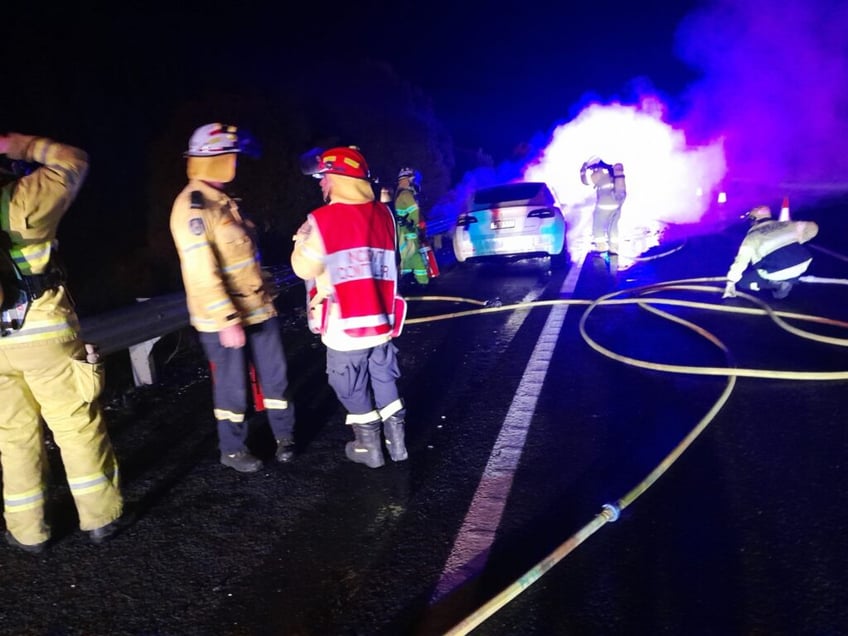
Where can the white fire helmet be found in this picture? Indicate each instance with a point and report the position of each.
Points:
(212, 140)
(759, 213)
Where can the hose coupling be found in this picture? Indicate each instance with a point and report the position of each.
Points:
(611, 511)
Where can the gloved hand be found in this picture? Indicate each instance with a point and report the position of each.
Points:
(729, 290)
(232, 337)
(92, 353)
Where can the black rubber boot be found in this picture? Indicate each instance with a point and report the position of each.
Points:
(393, 429)
(285, 450)
(30, 548)
(367, 447)
(241, 461)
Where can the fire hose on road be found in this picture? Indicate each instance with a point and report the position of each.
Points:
(646, 298)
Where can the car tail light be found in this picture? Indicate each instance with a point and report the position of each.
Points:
(541, 213)
(465, 220)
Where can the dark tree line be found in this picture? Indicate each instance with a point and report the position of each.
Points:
(115, 238)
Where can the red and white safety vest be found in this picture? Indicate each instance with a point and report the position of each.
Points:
(360, 244)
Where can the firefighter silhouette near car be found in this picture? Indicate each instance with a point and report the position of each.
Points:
(610, 193)
(417, 259)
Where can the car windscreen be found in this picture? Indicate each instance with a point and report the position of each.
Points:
(526, 192)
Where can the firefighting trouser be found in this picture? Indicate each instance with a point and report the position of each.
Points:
(52, 380)
(784, 265)
(365, 381)
(264, 348)
(412, 262)
(605, 228)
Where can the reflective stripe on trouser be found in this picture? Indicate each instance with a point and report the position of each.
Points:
(416, 266)
(365, 382)
(230, 378)
(753, 280)
(605, 227)
(44, 379)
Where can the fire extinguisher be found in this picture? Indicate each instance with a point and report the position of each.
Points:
(427, 252)
(258, 397)
(255, 390)
(429, 260)
(618, 181)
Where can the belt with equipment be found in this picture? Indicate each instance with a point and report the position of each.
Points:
(36, 284)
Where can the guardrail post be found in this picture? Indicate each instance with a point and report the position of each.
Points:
(141, 359)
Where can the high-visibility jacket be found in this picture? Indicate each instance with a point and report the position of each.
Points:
(348, 259)
(219, 259)
(359, 243)
(409, 218)
(30, 211)
(774, 249)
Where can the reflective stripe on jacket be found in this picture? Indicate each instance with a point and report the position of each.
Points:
(30, 211)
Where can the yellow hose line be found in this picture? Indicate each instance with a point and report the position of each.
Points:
(530, 577)
(652, 257)
(610, 512)
(715, 371)
(778, 317)
(453, 299)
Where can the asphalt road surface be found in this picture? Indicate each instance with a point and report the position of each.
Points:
(530, 409)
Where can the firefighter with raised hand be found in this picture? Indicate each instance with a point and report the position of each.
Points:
(346, 253)
(44, 373)
(610, 193)
(410, 225)
(772, 256)
(230, 302)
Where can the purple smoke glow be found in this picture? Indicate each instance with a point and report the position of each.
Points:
(775, 87)
(667, 180)
(767, 119)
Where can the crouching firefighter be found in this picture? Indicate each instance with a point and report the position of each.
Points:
(44, 371)
(346, 251)
(772, 256)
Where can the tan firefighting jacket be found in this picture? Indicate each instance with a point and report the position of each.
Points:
(30, 211)
(219, 259)
(608, 196)
(767, 237)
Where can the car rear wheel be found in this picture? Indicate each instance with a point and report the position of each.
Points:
(559, 261)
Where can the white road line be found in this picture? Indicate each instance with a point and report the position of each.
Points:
(474, 541)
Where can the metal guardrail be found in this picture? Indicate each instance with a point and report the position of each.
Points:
(125, 327)
(138, 327)
(439, 226)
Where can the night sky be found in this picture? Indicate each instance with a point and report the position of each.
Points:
(497, 72)
(762, 86)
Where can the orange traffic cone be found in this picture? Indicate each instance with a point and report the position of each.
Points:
(784, 210)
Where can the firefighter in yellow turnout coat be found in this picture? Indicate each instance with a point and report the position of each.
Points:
(229, 301)
(43, 367)
(610, 193)
(410, 226)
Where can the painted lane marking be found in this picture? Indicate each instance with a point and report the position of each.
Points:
(471, 548)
